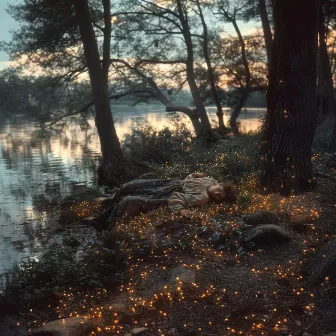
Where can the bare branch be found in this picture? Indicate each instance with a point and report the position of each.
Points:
(87, 106)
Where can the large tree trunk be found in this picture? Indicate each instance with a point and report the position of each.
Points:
(291, 100)
(267, 32)
(114, 163)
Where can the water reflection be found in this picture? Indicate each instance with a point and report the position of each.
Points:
(39, 166)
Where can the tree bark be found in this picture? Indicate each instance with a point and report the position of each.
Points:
(327, 99)
(205, 132)
(332, 146)
(267, 32)
(211, 77)
(236, 111)
(246, 89)
(291, 118)
(114, 163)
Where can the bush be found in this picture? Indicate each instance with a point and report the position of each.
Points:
(148, 145)
(176, 153)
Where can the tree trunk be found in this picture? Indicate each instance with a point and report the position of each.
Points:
(211, 77)
(326, 88)
(236, 111)
(291, 100)
(205, 132)
(114, 163)
(332, 147)
(246, 88)
(267, 32)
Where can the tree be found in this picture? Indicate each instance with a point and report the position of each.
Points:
(326, 95)
(210, 72)
(261, 9)
(231, 12)
(291, 100)
(163, 33)
(60, 36)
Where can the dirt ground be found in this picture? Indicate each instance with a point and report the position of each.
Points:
(229, 288)
(224, 286)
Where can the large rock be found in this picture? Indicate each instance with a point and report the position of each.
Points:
(183, 274)
(74, 326)
(261, 217)
(268, 234)
(324, 264)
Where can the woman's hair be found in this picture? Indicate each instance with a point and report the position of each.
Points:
(230, 193)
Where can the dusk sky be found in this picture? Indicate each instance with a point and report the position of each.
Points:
(6, 24)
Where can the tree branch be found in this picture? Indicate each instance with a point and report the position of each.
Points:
(87, 106)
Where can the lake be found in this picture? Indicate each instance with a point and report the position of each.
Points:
(36, 165)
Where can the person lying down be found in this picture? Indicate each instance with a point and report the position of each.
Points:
(142, 195)
(198, 189)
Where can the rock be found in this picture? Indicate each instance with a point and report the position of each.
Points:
(261, 217)
(222, 142)
(74, 326)
(138, 331)
(184, 275)
(89, 220)
(323, 264)
(301, 219)
(268, 234)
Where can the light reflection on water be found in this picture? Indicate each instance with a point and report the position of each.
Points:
(37, 165)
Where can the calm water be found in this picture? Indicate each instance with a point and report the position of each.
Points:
(37, 165)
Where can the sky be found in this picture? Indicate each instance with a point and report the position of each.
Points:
(6, 24)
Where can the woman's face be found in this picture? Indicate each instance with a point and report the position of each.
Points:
(217, 193)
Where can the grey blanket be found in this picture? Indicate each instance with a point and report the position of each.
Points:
(138, 197)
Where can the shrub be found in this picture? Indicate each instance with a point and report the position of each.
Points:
(148, 145)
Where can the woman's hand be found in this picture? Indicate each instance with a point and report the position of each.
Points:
(185, 213)
(199, 175)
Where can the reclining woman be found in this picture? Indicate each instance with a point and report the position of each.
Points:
(141, 196)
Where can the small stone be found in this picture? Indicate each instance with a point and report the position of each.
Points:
(298, 323)
(182, 274)
(74, 326)
(261, 217)
(138, 331)
(100, 199)
(88, 220)
(268, 234)
(301, 219)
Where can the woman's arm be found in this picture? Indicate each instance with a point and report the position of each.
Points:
(179, 201)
